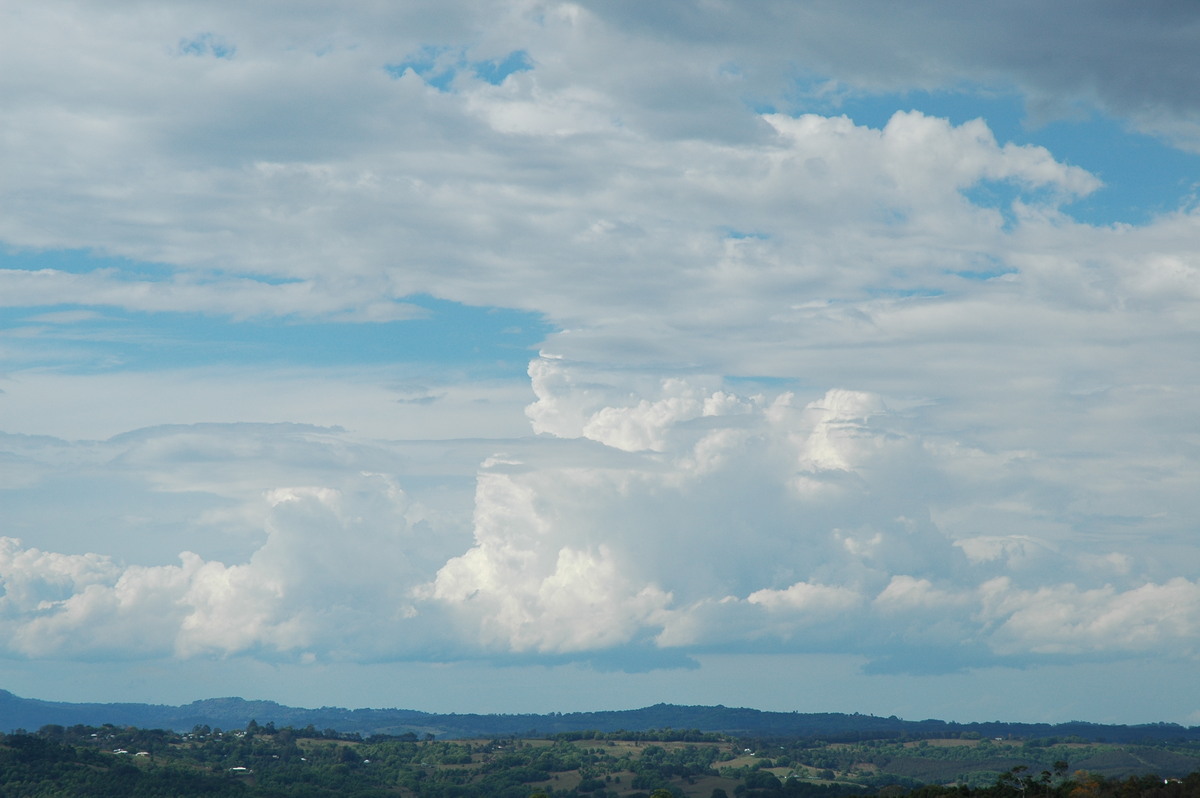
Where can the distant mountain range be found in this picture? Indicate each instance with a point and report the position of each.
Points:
(235, 713)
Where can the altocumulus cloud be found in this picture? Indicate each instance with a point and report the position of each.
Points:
(807, 388)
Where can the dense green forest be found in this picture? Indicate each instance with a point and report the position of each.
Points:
(262, 760)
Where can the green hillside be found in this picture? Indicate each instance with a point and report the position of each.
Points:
(265, 760)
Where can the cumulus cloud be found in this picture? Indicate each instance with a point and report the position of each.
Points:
(34, 578)
(333, 574)
(1064, 619)
(828, 536)
(584, 543)
(806, 391)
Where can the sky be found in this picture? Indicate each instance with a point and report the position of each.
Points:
(537, 356)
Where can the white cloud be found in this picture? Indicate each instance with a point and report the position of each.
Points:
(661, 557)
(239, 298)
(581, 546)
(1063, 619)
(807, 392)
(805, 598)
(333, 575)
(1014, 550)
(580, 226)
(905, 593)
(1127, 63)
(33, 578)
(370, 401)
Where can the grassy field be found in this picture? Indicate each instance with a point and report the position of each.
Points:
(868, 766)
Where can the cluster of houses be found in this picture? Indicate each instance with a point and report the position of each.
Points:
(123, 751)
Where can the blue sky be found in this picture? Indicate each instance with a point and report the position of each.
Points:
(94, 336)
(1143, 175)
(822, 357)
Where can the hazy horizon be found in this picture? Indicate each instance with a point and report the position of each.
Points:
(562, 356)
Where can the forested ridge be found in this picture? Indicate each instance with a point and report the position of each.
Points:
(29, 713)
(265, 760)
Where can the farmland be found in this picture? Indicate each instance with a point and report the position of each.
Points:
(266, 761)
